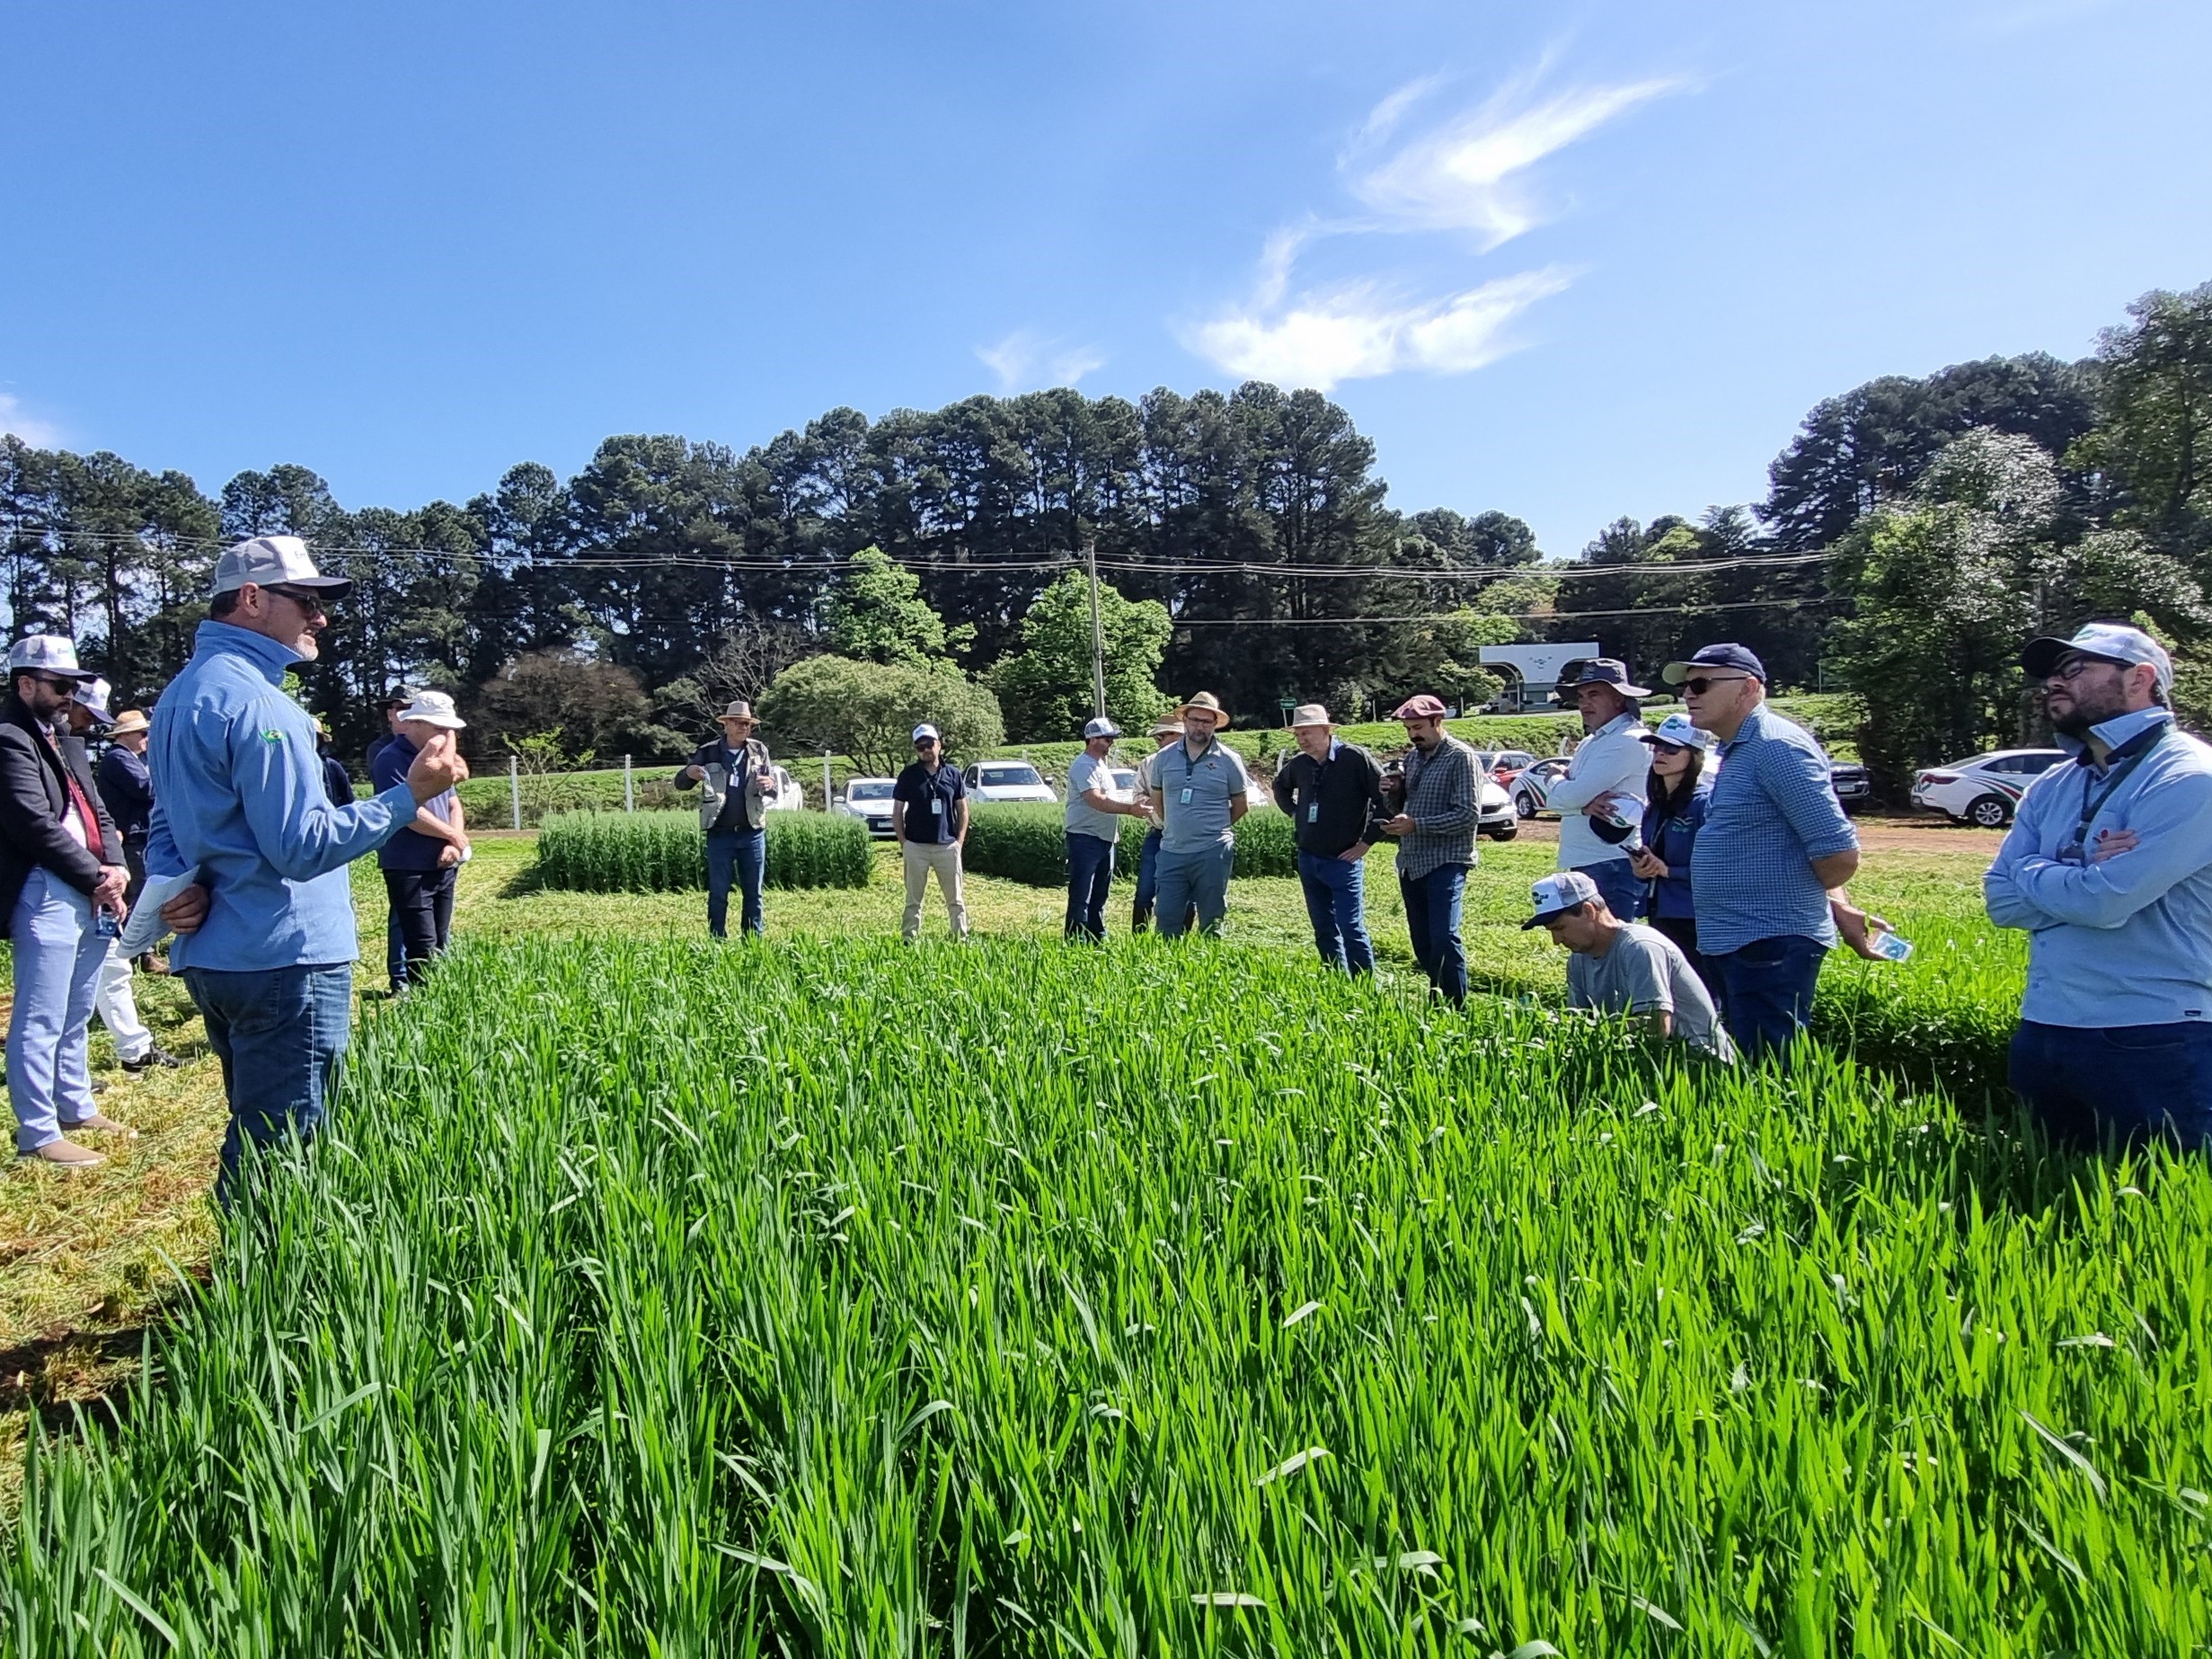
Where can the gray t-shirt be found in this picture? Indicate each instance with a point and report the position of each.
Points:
(1196, 794)
(1646, 971)
(1089, 772)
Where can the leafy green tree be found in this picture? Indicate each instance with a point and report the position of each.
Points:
(1445, 657)
(2154, 438)
(1045, 687)
(876, 613)
(867, 711)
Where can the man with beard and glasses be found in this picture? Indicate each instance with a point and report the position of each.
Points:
(1434, 828)
(2108, 868)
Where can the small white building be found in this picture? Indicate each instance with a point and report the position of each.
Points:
(1535, 670)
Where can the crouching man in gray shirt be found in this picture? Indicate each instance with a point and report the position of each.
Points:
(1626, 968)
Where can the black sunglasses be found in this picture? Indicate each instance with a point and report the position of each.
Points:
(925, 743)
(306, 599)
(1706, 682)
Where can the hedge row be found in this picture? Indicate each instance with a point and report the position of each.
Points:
(1029, 844)
(665, 852)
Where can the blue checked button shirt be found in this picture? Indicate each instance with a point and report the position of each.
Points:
(1440, 799)
(1772, 812)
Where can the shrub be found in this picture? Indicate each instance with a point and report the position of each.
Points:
(1028, 843)
(665, 852)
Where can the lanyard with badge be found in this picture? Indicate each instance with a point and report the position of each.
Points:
(1312, 806)
(1189, 770)
(2076, 850)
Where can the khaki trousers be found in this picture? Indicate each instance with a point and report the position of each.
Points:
(944, 857)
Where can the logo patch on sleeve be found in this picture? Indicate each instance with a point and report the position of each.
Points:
(272, 735)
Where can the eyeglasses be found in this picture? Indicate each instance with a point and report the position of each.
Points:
(306, 599)
(2073, 668)
(1705, 682)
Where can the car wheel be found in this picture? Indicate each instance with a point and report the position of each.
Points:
(1989, 812)
(1523, 807)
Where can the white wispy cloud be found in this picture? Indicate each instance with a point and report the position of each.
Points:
(1360, 330)
(15, 419)
(1025, 360)
(1469, 175)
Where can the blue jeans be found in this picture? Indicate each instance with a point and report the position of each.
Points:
(395, 948)
(2131, 1083)
(1147, 880)
(1432, 906)
(57, 958)
(1336, 893)
(1090, 878)
(279, 1034)
(742, 853)
(1200, 879)
(1766, 989)
(1621, 889)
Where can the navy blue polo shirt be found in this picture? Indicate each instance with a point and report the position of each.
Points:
(410, 849)
(918, 789)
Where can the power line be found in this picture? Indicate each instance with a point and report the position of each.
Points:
(1560, 616)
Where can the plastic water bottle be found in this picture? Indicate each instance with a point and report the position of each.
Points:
(1890, 945)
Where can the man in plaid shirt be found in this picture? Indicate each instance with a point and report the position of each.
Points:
(1435, 831)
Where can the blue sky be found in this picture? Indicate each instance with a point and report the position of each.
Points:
(1567, 261)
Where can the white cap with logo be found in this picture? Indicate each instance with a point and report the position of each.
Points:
(925, 731)
(47, 653)
(2115, 641)
(272, 561)
(1101, 725)
(1562, 890)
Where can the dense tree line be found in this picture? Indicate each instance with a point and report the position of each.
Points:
(621, 603)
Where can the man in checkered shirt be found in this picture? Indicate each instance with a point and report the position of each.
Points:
(1435, 831)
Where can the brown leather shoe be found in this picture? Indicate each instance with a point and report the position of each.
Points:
(106, 1125)
(67, 1154)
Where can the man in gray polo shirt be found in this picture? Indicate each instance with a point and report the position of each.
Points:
(1198, 788)
(1626, 968)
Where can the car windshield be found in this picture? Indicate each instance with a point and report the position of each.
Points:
(880, 790)
(1002, 777)
(1124, 779)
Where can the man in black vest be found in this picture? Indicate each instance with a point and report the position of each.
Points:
(62, 880)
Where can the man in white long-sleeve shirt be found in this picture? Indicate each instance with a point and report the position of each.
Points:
(1607, 776)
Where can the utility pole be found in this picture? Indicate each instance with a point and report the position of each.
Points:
(1098, 632)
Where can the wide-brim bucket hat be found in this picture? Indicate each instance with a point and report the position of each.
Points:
(1206, 702)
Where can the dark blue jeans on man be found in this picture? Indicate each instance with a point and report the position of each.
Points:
(279, 1034)
(742, 853)
(2127, 1084)
(1432, 906)
(1090, 878)
(1620, 888)
(1336, 904)
(1766, 991)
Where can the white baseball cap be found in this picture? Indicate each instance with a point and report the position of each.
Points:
(274, 561)
(47, 653)
(434, 708)
(1562, 890)
(1101, 726)
(1677, 733)
(925, 731)
(91, 696)
(2115, 641)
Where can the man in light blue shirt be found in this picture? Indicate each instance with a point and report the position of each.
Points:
(2108, 867)
(1770, 864)
(266, 935)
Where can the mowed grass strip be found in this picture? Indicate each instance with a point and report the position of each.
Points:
(839, 1298)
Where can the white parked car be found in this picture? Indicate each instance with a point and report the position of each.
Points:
(1983, 791)
(1495, 815)
(869, 799)
(998, 781)
(789, 797)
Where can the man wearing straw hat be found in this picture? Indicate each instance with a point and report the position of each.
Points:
(1197, 790)
(1333, 792)
(422, 864)
(737, 780)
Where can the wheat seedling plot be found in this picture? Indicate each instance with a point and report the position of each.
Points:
(851, 1299)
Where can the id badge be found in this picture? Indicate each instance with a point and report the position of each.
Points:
(937, 806)
(1313, 812)
(1186, 797)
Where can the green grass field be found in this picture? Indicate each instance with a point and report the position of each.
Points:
(832, 1297)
